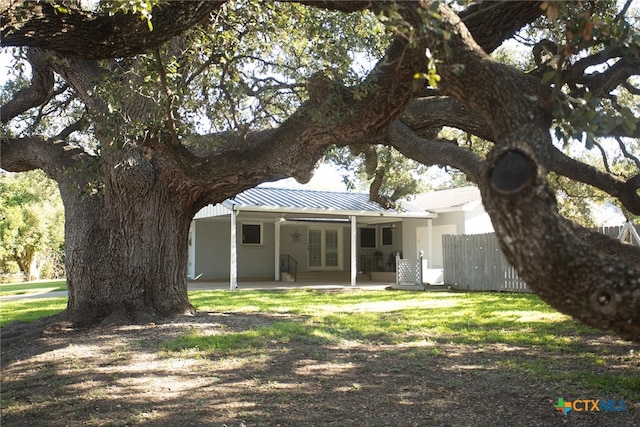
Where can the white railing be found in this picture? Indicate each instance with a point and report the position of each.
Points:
(408, 271)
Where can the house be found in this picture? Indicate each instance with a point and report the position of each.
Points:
(265, 232)
(459, 211)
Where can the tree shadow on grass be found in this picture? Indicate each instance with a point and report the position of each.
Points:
(301, 375)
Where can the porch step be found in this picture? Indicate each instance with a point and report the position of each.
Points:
(330, 276)
(408, 287)
(287, 277)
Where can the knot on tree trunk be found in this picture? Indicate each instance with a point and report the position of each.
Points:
(512, 172)
(133, 172)
(603, 300)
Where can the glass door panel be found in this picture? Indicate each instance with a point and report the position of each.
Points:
(331, 248)
(315, 248)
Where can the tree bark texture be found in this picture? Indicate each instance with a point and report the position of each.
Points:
(85, 35)
(566, 267)
(125, 245)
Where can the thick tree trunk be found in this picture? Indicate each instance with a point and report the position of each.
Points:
(564, 264)
(29, 263)
(126, 247)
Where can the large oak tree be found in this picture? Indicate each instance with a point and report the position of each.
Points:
(221, 96)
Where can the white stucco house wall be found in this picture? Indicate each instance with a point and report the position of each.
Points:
(459, 211)
(255, 235)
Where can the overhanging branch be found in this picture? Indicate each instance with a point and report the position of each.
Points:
(36, 93)
(583, 172)
(434, 152)
(52, 155)
(97, 36)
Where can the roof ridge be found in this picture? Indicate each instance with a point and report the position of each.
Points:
(308, 190)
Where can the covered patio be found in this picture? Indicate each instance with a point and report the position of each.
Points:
(245, 238)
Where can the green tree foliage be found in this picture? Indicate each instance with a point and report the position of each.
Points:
(258, 55)
(31, 226)
(388, 175)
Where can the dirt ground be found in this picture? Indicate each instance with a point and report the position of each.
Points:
(119, 376)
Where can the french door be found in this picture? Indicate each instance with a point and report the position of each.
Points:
(325, 248)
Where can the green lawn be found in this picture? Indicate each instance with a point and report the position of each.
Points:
(28, 310)
(391, 317)
(24, 288)
(383, 318)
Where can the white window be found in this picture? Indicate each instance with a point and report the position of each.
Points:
(325, 248)
(252, 234)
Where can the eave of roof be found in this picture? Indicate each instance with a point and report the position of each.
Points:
(309, 203)
(327, 212)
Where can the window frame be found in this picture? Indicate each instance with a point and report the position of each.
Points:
(373, 233)
(390, 235)
(260, 235)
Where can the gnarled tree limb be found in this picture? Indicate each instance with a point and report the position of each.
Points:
(52, 155)
(562, 266)
(434, 152)
(36, 93)
(97, 36)
(582, 172)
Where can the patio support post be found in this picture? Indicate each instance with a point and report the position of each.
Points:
(277, 250)
(191, 255)
(233, 266)
(430, 239)
(354, 255)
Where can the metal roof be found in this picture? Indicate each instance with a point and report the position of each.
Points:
(294, 198)
(303, 201)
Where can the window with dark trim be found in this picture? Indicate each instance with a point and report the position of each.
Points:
(387, 236)
(251, 234)
(367, 237)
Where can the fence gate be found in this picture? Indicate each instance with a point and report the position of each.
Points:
(409, 271)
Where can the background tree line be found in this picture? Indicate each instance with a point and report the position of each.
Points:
(31, 227)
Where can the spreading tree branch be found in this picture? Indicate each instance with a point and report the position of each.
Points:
(38, 92)
(625, 152)
(582, 172)
(91, 35)
(434, 152)
(491, 22)
(52, 155)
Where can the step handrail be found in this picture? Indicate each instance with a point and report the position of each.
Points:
(288, 264)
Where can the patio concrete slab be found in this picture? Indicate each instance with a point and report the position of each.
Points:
(272, 285)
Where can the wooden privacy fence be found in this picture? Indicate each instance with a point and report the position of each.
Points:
(475, 262)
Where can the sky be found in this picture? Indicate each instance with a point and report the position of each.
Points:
(326, 177)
